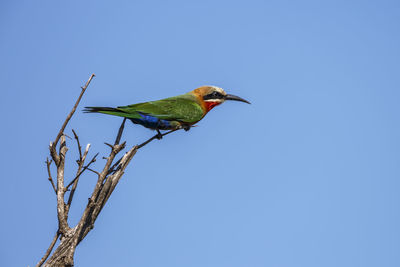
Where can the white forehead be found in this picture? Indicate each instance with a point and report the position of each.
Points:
(219, 89)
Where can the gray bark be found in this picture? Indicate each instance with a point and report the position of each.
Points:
(107, 180)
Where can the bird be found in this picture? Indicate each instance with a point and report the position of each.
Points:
(173, 113)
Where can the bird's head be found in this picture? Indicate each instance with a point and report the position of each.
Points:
(212, 96)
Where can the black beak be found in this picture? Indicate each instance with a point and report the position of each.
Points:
(236, 98)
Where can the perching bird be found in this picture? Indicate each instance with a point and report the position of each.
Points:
(172, 113)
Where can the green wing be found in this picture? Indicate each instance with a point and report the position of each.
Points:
(182, 108)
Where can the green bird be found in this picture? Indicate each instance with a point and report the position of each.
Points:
(172, 113)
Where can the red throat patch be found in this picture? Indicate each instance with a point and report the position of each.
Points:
(209, 105)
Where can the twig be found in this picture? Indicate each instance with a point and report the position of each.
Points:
(121, 129)
(79, 172)
(113, 166)
(48, 163)
(115, 149)
(112, 169)
(96, 172)
(78, 143)
(109, 145)
(53, 242)
(53, 145)
(155, 137)
(84, 169)
(118, 138)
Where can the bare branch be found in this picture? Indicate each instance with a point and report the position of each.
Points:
(88, 216)
(78, 143)
(84, 169)
(155, 137)
(62, 209)
(60, 133)
(96, 172)
(53, 242)
(94, 208)
(113, 167)
(111, 183)
(48, 163)
(115, 150)
(121, 129)
(78, 172)
(109, 145)
(62, 218)
(107, 181)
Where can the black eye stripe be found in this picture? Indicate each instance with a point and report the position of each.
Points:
(214, 95)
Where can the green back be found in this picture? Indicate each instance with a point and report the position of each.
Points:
(184, 108)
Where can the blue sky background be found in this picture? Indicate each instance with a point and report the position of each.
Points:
(308, 175)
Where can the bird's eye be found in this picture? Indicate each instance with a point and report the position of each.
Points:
(217, 94)
(213, 95)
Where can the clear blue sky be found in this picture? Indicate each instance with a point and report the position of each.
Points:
(306, 176)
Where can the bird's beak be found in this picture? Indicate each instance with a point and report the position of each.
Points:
(236, 98)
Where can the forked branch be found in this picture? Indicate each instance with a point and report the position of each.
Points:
(107, 180)
(61, 132)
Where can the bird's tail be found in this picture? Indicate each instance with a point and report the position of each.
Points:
(106, 110)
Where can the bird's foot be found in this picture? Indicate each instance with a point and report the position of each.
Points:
(159, 135)
(186, 127)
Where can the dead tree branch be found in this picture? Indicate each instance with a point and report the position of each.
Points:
(61, 132)
(48, 163)
(81, 161)
(83, 170)
(107, 180)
